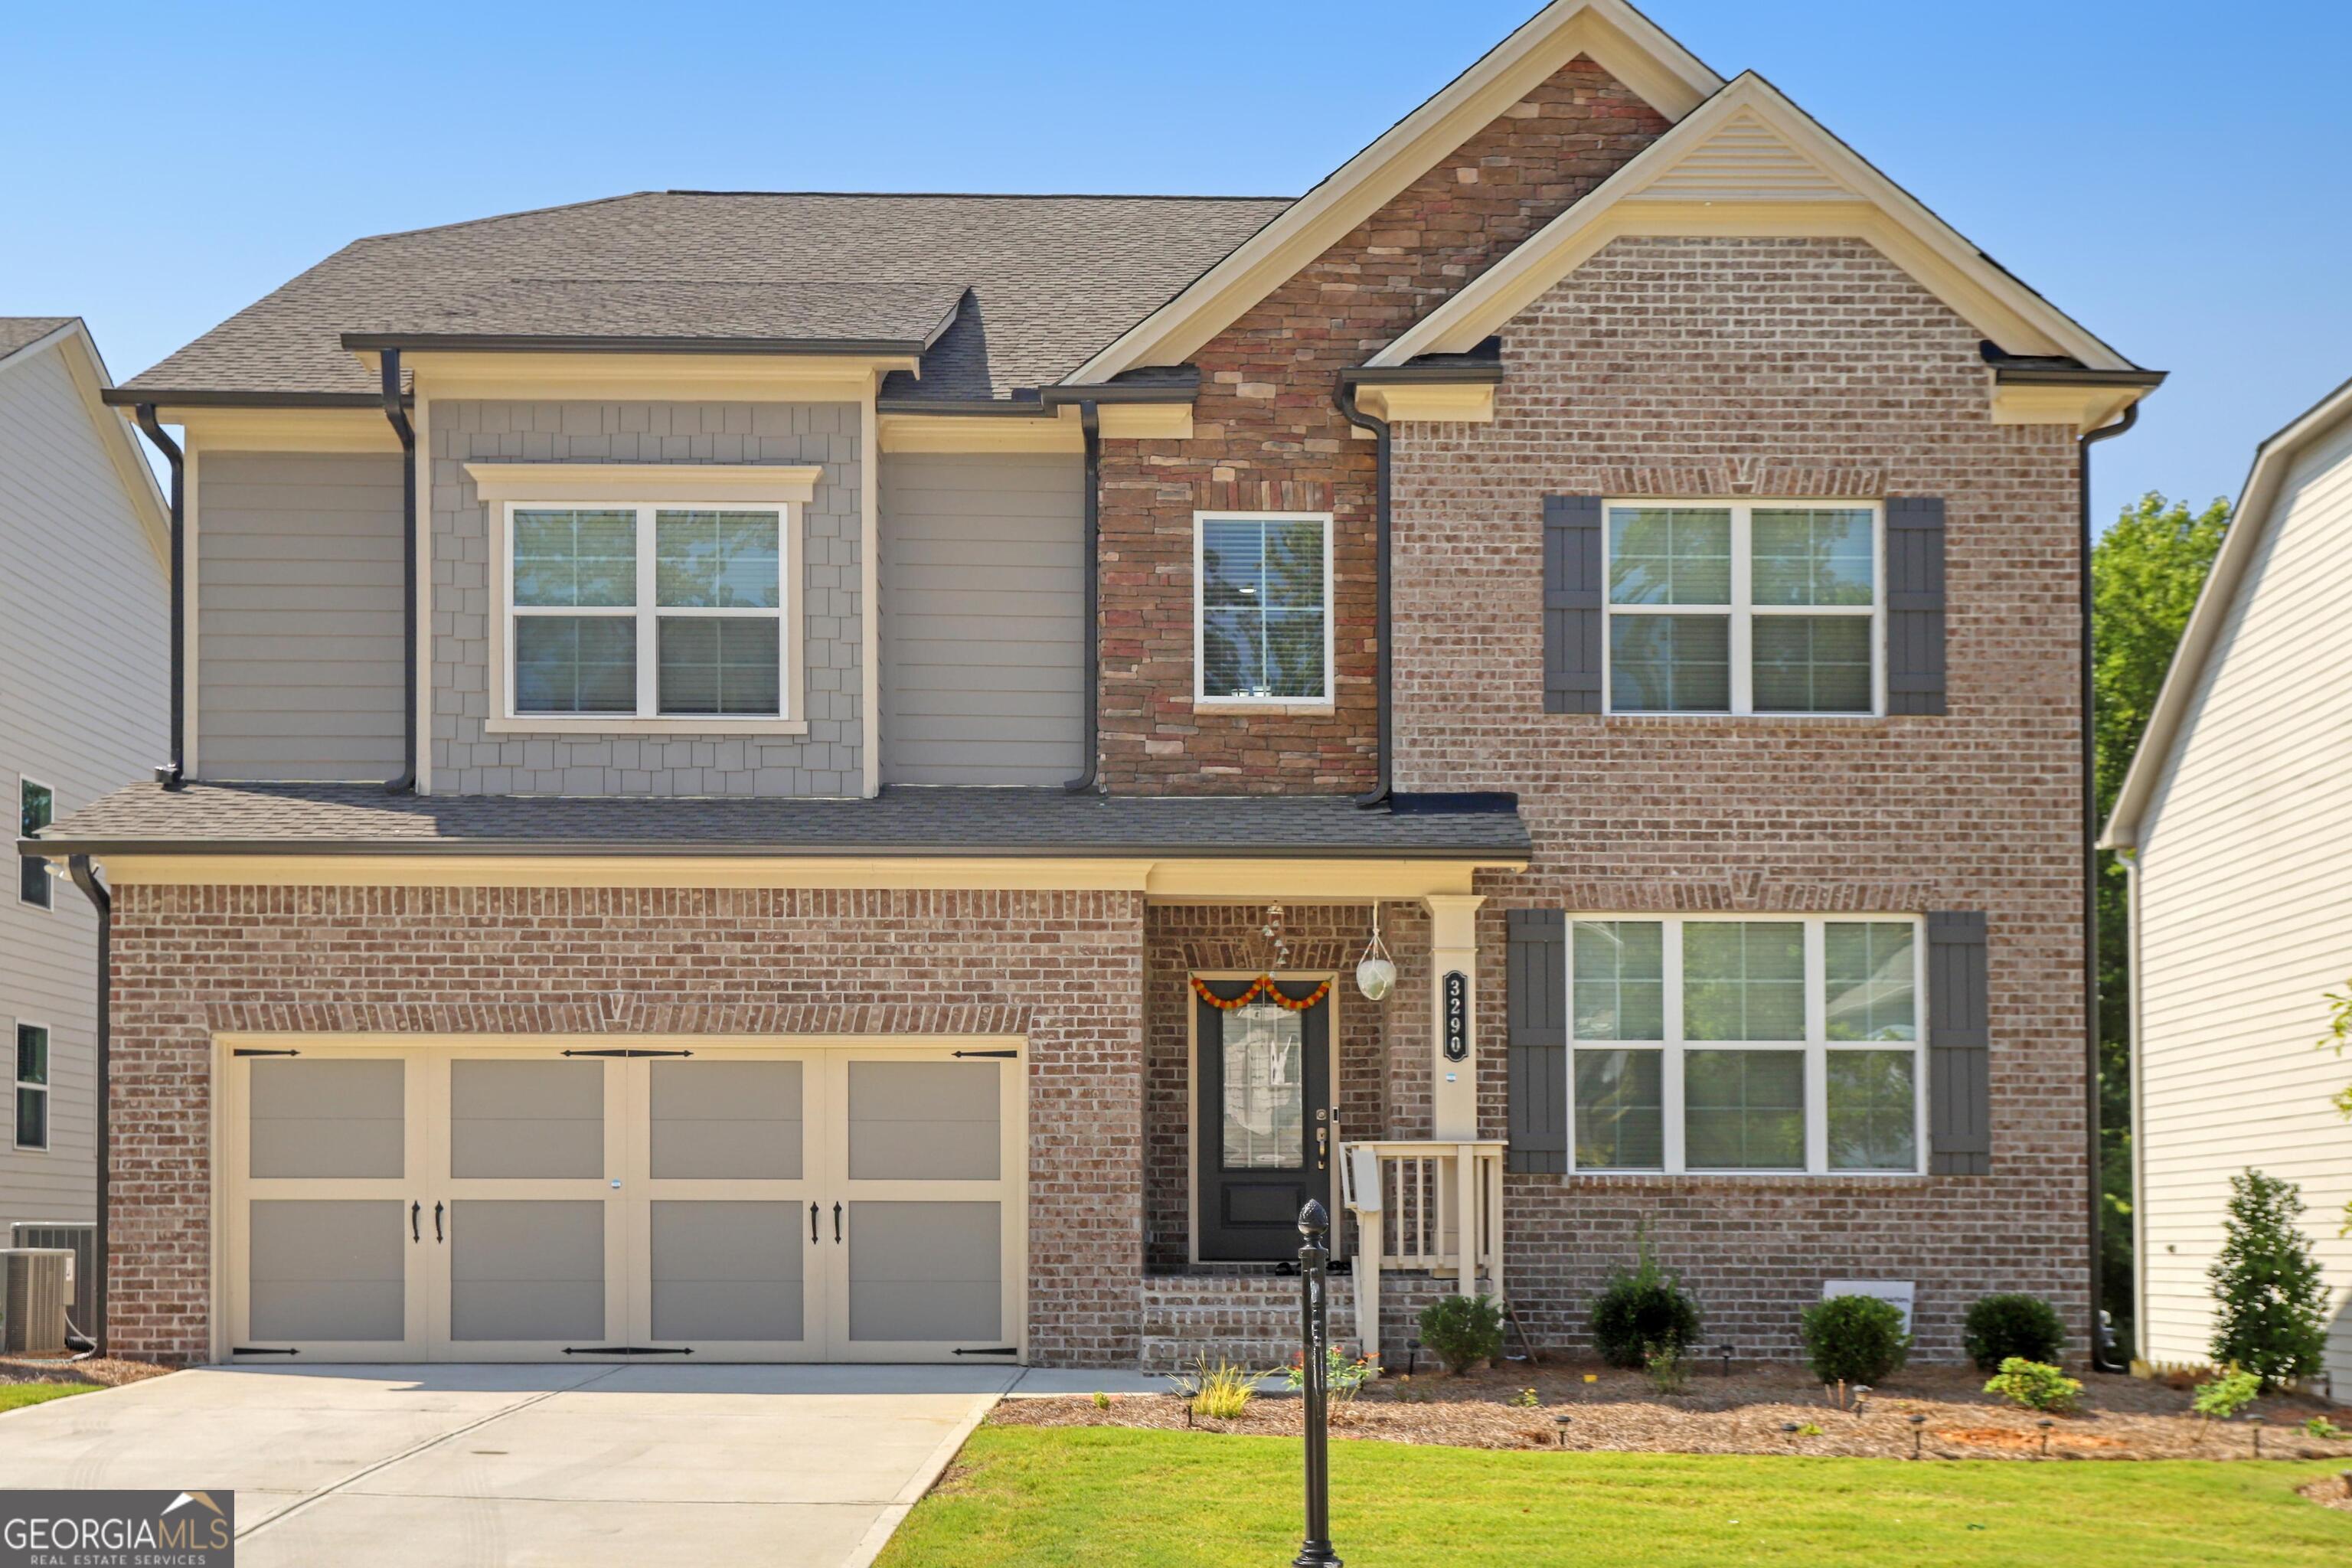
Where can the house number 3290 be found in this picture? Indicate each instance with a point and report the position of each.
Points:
(1455, 998)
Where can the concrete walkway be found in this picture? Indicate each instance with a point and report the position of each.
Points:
(486, 1466)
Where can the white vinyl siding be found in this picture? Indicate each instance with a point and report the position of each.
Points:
(82, 702)
(2242, 922)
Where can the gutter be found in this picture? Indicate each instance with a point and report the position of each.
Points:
(637, 849)
(2099, 1349)
(520, 343)
(1344, 399)
(1091, 722)
(171, 773)
(104, 902)
(200, 397)
(407, 782)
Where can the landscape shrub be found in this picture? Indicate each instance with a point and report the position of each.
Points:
(2012, 1325)
(1220, 1393)
(2270, 1304)
(1462, 1330)
(2036, 1385)
(1854, 1339)
(1642, 1311)
(2230, 1391)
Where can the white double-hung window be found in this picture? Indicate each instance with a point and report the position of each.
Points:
(1745, 607)
(1262, 607)
(1751, 1045)
(648, 612)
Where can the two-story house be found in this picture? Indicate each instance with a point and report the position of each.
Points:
(781, 775)
(84, 537)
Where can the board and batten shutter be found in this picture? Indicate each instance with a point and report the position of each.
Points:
(1573, 613)
(1959, 1048)
(1915, 604)
(1536, 968)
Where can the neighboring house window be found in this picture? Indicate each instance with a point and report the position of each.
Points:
(1752, 1045)
(32, 1087)
(1262, 609)
(648, 612)
(35, 806)
(1765, 607)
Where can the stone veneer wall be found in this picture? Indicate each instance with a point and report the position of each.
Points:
(1266, 439)
(1771, 368)
(1063, 969)
(467, 600)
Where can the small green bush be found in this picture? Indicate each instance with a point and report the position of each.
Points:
(1855, 1339)
(2035, 1385)
(1639, 1311)
(1219, 1392)
(2230, 1392)
(1669, 1373)
(2012, 1326)
(1463, 1331)
(2270, 1304)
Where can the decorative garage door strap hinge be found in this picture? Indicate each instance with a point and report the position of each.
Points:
(259, 1051)
(627, 1350)
(996, 1350)
(631, 1051)
(1001, 1056)
(260, 1350)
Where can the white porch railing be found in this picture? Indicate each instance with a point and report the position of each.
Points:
(1426, 1206)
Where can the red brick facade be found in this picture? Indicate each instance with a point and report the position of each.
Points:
(1266, 439)
(1063, 969)
(1775, 368)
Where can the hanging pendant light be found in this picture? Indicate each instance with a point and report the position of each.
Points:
(1376, 971)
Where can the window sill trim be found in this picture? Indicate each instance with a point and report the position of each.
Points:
(1261, 705)
(632, 726)
(1867, 1178)
(1780, 720)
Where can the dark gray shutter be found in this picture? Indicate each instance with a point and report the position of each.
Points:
(1915, 604)
(1959, 1048)
(1572, 604)
(1538, 971)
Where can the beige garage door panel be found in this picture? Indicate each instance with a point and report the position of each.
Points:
(519, 1119)
(728, 1270)
(329, 1118)
(717, 1121)
(526, 1269)
(330, 1269)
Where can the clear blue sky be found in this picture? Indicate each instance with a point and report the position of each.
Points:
(2178, 176)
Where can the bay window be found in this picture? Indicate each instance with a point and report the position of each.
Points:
(1741, 608)
(1767, 1044)
(650, 612)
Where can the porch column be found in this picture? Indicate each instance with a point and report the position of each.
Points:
(1454, 949)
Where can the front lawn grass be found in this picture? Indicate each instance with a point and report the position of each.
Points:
(17, 1396)
(1175, 1500)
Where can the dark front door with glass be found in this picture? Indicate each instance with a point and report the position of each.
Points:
(1264, 1120)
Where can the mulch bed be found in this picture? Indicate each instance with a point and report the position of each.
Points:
(108, 1372)
(1748, 1413)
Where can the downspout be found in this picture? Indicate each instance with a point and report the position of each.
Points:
(100, 899)
(2099, 1359)
(2133, 870)
(1090, 726)
(1345, 399)
(173, 772)
(389, 360)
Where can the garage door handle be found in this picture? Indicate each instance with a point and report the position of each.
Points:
(837, 1223)
(811, 1225)
(414, 1210)
(437, 1222)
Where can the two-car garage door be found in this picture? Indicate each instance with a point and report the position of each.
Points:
(501, 1201)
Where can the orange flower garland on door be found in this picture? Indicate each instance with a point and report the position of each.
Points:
(1260, 989)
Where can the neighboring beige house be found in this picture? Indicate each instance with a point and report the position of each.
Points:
(84, 585)
(2232, 820)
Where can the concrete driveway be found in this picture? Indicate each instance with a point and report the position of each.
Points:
(486, 1466)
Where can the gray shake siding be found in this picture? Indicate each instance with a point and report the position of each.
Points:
(982, 641)
(468, 760)
(298, 615)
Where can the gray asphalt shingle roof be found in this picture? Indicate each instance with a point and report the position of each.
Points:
(16, 332)
(1052, 281)
(363, 819)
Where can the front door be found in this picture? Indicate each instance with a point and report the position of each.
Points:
(1261, 1077)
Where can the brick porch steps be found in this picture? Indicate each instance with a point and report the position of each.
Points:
(1248, 1319)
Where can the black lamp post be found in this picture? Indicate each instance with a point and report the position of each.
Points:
(1314, 1263)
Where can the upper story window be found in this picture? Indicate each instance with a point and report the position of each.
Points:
(1751, 1045)
(1741, 607)
(35, 806)
(32, 1087)
(1262, 607)
(648, 612)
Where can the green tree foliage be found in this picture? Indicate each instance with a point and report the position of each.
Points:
(2270, 1303)
(2339, 1035)
(2146, 572)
